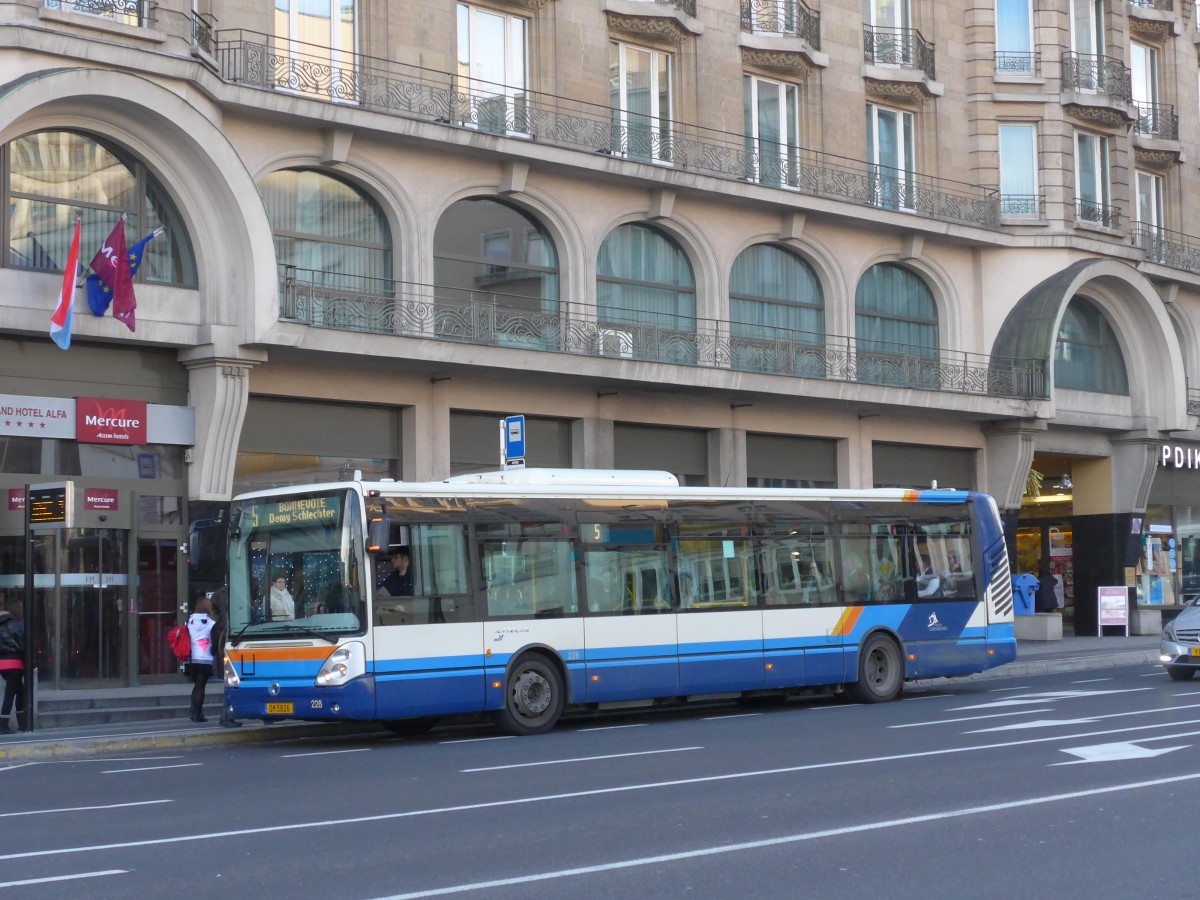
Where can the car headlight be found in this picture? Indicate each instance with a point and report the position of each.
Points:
(1169, 632)
(231, 675)
(344, 664)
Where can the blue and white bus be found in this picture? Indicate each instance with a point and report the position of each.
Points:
(532, 590)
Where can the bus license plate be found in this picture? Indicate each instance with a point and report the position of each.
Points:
(279, 709)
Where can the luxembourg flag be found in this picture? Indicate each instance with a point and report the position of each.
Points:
(64, 312)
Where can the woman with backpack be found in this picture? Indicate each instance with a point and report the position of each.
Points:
(199, 668)
(12, 663)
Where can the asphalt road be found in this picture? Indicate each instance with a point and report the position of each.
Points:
(1075, 784)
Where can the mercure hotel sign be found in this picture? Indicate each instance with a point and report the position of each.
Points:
(97, 420)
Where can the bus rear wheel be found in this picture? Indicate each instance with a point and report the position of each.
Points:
(880, 671)
(533, 697)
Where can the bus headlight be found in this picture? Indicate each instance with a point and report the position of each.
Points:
(344, 664)
(231, 675)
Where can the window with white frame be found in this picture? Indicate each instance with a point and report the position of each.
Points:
(888, 13)
(493, 70)
(316, 47)
(1092, 190)
(772, 114)
(890, 153)
(1019, 170)
(1144, 82)
(640, 98)
(889, 22)
(1014, 37)
(1087, 27)
(1148, 233)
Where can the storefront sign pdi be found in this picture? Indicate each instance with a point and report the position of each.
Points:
(1179, 457)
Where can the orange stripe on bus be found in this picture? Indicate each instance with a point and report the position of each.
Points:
(846, 622)
(262, 654)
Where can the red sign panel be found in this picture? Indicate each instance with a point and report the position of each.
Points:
(16, 498)
(99, 498)
(101, 421)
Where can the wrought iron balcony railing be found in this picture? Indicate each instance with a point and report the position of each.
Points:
(904, 47)
(1009, 62)
(1193, 401)
(1168, 248)
(485, 318)
(687, 7)
(1160, 5)
(127, 12)
(204, 27)
(790, 17)
(1089, 73)
(1156, 120)
(1022, 206)
(1103, 214)
(261, 61)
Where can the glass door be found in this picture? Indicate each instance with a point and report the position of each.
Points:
(158, 606)
(89, 622)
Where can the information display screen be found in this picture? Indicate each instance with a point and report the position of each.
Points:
(49, 505)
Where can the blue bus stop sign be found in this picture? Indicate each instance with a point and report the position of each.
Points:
(514, 439)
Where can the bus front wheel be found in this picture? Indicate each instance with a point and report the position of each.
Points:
(533, 698)
(880, 671)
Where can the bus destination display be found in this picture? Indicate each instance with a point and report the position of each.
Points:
(299, 512)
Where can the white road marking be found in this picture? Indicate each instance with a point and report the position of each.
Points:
(611, 727)
(1091, 680)
(731, 716)
(1019, 712)
(559, 762)
(1004, 690)
(575, 795)
(1111, 752)
(1045, 698)
(1048, 723)
(790, 839)
(4, 884)
(40, 812)
(325, 752)
(498, 737)
(149, 768)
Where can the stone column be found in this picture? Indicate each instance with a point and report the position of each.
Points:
(218, 389)
(727, 457)
(1008, 455)
(592, 444)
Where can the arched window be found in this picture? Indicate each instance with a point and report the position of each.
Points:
(776, 313)
(485, 251)
(328, 227)
(1087, 355)
(645, 296)
(895, 325)
(54, 176)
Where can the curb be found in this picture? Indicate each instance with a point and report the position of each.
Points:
(35, 749)
(1021, 669)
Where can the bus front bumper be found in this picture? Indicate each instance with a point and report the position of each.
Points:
(280, 700)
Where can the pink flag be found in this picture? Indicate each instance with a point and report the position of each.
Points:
(111, 265)
(64, 312)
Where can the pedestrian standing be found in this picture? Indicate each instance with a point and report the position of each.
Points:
(199, 669)
(12, 664)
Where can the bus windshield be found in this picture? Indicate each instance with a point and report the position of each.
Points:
(294, 567)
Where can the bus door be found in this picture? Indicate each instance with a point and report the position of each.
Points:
(801, 644)
(428, 641)
(720, 624)
(946, 629)
(630, 631)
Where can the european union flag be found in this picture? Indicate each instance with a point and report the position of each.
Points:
(99, 294)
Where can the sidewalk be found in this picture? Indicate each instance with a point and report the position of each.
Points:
(1071, 654)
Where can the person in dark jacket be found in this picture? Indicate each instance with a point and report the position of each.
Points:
(220, 603)
(12, 664)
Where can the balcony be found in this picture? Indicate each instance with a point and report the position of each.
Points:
(1012, 63)
(313, 72)
(1097, 89)
(125, 12)
(482, 318)
(792, 18)
(1167, 248)
(1160, 5)
(1104, 215)
(903, 48)
(1022, 206)
(1156, 120)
